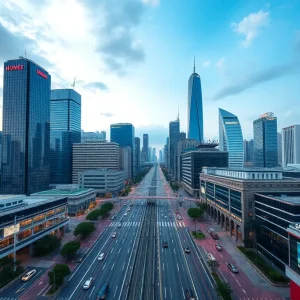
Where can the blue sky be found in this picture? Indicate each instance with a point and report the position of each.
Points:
(132, 58)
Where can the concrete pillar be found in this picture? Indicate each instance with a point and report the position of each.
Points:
(62, 231)
(31, 250)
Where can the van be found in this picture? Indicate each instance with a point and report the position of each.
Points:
(103, 291)
(28, 275)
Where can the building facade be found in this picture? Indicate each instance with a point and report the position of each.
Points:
(65, 130)
(174, 138)
(248, 153)
(32, 218)
(265, 141)
(279, 149)
(193, 161)
(195, 108)
(26, 128)
(145, 146)
(231, 138)
(291, 145)
(126, 161)
(94, 156)
(103, 181)
(137, 154)
(93, 136)
(123, 134)
(276, 212)
(230, 194)
(80, 200)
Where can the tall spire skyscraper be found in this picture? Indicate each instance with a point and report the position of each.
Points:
(195, 109)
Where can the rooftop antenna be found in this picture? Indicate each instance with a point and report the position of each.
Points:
(178, 114)
(73, 85)
(194, 65)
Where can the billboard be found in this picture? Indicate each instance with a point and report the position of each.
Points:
(298, 254)
(11, 230)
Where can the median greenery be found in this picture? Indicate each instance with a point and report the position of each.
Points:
(7, 273)
(57, 276)
(173, 184)
(103, 211)
(46, 245)
(140, 176)
(70, 249)
(84, 229)
(198, 235)
(264, 267)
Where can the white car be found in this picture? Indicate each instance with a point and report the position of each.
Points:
(114, 235)
(88, 283)
(125, 214)
(28, 275)
(179, 218)
(101, 256)
(211, 257)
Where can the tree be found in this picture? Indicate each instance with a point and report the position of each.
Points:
(84, 229)
(61, 271)
(46, 244)
(93, 215)
(195, 213)
(70, 248)
(214, 265)
(224, 290)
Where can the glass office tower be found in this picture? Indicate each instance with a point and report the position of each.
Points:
(174, 138)
(123, 134)
(195, 109)
(145, 146)
(26, 128)
(65, 130)
(265, 141)
(231, 138)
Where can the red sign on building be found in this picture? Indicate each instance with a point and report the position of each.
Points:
(41, 74)
(14, 68)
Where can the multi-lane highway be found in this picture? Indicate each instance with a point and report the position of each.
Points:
(136, 265)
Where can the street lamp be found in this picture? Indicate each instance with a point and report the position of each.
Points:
(54, 278)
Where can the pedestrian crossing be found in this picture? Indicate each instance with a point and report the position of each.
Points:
(136, 224)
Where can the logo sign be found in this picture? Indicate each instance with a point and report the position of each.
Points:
(231, 123)
(14, 68)
(11, 230)
(41, 74)
(297, 226)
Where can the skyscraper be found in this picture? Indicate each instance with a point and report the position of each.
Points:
(137, 154)
(182, 136)
(26, 127)
(65, 130)
(174, 138)
(279, 148)
(265, 141)
(123, 134)
(291, 145)
(145, 146)
(231, 138)
(195, 109)
(248, 152)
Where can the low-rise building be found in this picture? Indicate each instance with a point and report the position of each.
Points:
(230, 193)
(193, 161)
(25, 219)
(79, 199)
(103, 181)
(292, 269)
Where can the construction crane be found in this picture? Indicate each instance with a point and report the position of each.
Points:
(73, 85)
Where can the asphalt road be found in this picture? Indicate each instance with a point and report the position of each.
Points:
(174, 271)
(20, 286)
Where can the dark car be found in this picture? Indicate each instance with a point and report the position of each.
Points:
(165, 244)
(214, 235)
(218, 247)
(232, 268)
(103, 291)
(187, 249)
(189, 294)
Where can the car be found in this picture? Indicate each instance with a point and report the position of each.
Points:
(114, 234)
(232, 268)
(218, 247)
(103, 291)
(179, 217)
(128, 209)
(119, 225)
(187, 249)
(214, 235)
(165, 244)
(210, 230)
(165, 217)
(88, 283)
(170, 216)
(189, 294)
(28, 275)
(211, 257)
(125, 204)
(125, 214)
(101, 256)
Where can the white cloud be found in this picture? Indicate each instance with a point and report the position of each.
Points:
(220, 63)
(206, 64)
(151, 2)
(250, 25)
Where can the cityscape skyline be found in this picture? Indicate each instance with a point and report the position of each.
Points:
(105, 86)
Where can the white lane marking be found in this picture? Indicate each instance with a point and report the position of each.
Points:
(115, 292)
(128, 250)
(123, 241)
(177, 266)
(174, 251)
(244, 291)
(223, 276)
(163, 266)
(41, 290)
(123, 266)
(238, 283)
(182, 292)
(221, 255)
(92, 291)
(172, 241)
(112, 250)
(171, 292)
(119, 250)
(103, 266)
(165, 292)
(112, 266)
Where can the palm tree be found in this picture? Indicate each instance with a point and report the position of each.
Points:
(214, 265)
(224, 290)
